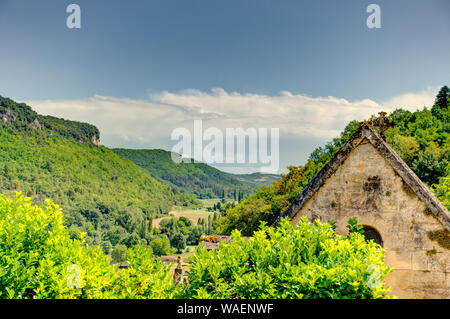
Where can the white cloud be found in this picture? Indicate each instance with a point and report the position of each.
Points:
(294, 114)
(311, 121)
(413, 100)
(121, 121)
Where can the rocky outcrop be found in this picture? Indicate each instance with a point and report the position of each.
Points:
(8, 117)
(35, 124)
(96, 140)
(20, 116)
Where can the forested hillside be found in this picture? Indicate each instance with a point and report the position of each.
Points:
(197, 178)
(421, 138)
(100, 193)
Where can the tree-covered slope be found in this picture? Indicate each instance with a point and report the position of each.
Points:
(421, 138)
(101, 193)
(197, 178)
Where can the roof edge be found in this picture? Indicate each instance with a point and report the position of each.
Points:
(366, 131)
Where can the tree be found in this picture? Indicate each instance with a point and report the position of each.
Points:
(107, 247)
(442, 98)
(441, 105)
(443, 190)
(193, 237)
(161, 246)
(119, 253)
(430, 165)
(178, 242)
(131, 240)
(185, 221)
(407, 147)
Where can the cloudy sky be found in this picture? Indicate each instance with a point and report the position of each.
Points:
(138, 70)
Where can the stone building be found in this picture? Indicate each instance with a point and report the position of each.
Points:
(366, 179)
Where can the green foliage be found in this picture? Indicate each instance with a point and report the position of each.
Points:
(82, 132)
(443, 188)
(263, 206)
(119, 253)
(145, 278)
(181, 231)
(406, 146)
(422, 139)
(306, 261)
(21, 113)
(38, 259)
(353, 226)
(37, 254)
(161, 246)
(178, 242)
(430, 164)
(442, 98)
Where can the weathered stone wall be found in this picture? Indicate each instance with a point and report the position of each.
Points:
(366, 186)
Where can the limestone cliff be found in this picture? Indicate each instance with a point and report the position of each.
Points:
(20, 117)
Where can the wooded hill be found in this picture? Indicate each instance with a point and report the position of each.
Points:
(101, 193)
(197, 178)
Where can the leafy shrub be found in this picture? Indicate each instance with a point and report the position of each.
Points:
(38, 259)
(37, 254)
(306, 261)
(145, 278)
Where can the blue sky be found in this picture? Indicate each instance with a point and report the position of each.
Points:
(153, 51)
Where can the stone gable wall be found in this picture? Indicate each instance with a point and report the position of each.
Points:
(366, 186)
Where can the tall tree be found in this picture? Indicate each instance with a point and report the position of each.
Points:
(442, 97)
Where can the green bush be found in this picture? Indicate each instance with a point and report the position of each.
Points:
(38, 259)
(145, 278)
(306, 261)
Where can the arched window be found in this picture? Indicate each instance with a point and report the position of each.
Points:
(372, 234)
